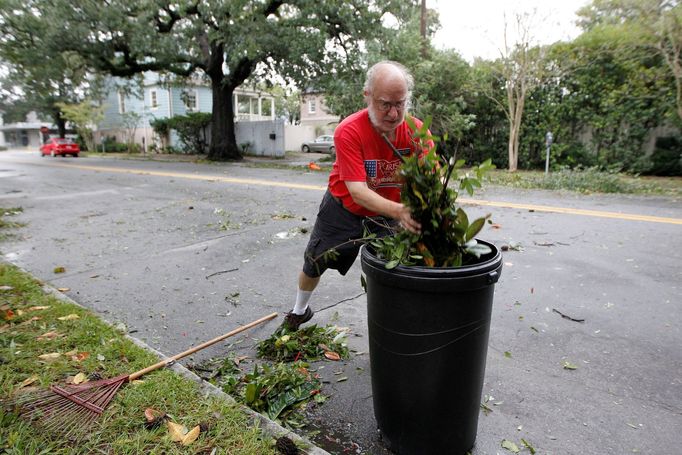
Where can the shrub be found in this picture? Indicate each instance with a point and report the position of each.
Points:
(191, 129)
(112, 146)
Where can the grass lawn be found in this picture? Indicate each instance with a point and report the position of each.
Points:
(588, 181)
(71, 341)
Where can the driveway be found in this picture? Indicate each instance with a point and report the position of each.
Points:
(182, 252)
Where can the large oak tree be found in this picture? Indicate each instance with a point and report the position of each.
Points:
(36, 76)
(225, 41)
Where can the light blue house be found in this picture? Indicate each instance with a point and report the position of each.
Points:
(127, 116)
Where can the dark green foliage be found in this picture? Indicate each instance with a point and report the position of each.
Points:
(191, 129)
(667, 157)
(448, 237)
(276, 390)
(161, 126)
(307, 343)
(111, 146)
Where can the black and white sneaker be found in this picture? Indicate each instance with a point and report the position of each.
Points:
(292, 321)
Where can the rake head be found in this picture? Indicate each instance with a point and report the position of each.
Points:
(70, 409)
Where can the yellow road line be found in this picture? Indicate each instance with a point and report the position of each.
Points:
(184, 175)
(571, 211)
(301, 186)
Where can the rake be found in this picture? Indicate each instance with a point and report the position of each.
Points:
(69, 409)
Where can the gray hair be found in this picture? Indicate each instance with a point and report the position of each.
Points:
(372, 74)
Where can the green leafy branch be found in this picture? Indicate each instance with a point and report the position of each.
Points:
(448, 236)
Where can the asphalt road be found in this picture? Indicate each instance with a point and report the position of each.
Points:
(183, 252)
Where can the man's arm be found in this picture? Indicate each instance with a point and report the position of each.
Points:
(370, 200)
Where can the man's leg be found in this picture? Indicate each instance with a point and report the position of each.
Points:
(333, 228)
(301, 312)
(306, 286)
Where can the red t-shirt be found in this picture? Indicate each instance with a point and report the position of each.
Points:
(362, 155)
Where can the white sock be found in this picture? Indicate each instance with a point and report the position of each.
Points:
(302, 298)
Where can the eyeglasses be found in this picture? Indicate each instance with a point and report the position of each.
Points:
(385, 106)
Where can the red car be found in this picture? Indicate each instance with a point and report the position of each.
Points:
(59, 146)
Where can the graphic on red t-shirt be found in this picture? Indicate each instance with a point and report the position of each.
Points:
(382, 174)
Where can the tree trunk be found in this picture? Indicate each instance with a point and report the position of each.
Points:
(223, 140)
(513, 147)
(60, 122)
(517, 100)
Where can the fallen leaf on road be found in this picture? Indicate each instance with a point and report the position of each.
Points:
(238, 359)
(331, 355)
(59, 270)
(506, 444)
(528, 446)
(569, 366)
(63, 289)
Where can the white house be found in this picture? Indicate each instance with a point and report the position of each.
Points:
(23, 134)
(315, 120)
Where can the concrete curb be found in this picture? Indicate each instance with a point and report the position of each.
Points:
(267, 426)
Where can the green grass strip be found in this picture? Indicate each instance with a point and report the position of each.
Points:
(88, 345)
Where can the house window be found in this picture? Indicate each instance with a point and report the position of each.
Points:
(312, 107)
(154, 100)
(191, 99)
(121, 103)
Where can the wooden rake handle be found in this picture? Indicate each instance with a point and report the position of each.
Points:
(170, 360)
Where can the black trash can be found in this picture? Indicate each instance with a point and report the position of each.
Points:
(428, 340)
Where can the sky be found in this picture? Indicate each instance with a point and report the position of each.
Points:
(475, 28)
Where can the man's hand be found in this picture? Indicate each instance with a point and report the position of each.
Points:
(406, 220)
(370, 200)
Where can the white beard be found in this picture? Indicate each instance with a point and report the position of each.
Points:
(374, 120)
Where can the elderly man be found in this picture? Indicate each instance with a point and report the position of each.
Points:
(364, 185)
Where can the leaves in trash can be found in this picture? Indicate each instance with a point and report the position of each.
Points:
(448, 235)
